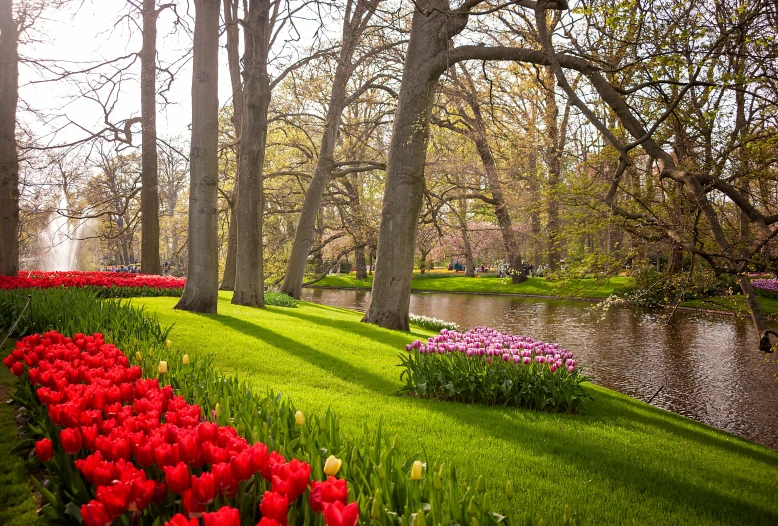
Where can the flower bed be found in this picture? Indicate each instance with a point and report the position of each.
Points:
(116, 284)
(110, 283)
(766, 287)
(486, 366)
(386, 485)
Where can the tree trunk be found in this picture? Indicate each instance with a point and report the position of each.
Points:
(359, 256)
(9, 159)
(469, 265)
(533, 183)
(554, 165)
(404, 186)
(325, 164)
(233, 61)
(249, 275)
(201, 292)
(149, 194)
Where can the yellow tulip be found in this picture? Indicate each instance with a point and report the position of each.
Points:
(218, 409)
(138, 356)
(169, 344)
(416, 470)
(162, 367)
(332, 466)
(185, 359)
(299, 417)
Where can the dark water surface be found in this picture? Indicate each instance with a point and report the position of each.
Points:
(708, 364)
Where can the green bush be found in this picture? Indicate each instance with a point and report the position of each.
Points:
(278, 299)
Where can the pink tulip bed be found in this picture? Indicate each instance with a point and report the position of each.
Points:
(766, 287)
(148, 435)
(487, 366)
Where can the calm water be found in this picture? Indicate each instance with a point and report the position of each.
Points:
(709, 365)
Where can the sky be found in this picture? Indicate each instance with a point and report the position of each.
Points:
(76, 38)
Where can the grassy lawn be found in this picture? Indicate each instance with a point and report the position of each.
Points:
(736, 304)
(578, 288)
(622, 462)
(17, 506)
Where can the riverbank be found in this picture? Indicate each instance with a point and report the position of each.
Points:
(623, 461)
(735, 305)
(580, 289)
(573, 288)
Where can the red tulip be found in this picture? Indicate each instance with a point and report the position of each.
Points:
(240, 466)
(275, 506)
(115, 498)
(17, 369)
(180, 520)
(166, 455)
(89, 434)
(177, 478)
(141, 493)
(225, 516)
(259, 457)
(144, 454)
(325, 493)
(272, 459)
(204, 488)
(71, 440)
(44, 449)
(223, 475)
(206, 432)
(291, 478)
(336, 514)
(193, 508)
(267, 521)
(93, 513)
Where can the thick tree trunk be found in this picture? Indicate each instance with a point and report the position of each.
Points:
(149, 194)
(325, 164)
(9, 159)
(359, 256)
(201, 292)
(249, 275)
(404, 187)
(554, 165)
(233, 61)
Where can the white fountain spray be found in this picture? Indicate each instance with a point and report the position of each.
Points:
(61, 237)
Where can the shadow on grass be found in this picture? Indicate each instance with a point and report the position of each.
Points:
(332, 364)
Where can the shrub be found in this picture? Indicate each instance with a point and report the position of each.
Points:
(378, 473)
(432, 324)
(490, 367)
(279, 299)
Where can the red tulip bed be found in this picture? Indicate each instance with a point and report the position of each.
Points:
(144, 452)
(109, 283)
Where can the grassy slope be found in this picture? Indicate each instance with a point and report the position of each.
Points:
(581, 288)
(623, 462)
(736, 304)
(17, 506)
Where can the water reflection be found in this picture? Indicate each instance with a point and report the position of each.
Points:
(708, 364)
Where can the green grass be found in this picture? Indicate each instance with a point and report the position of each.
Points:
(623, 462)
(577, 288)
(735, 304)
(17, 506)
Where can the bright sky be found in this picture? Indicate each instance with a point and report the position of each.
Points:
(76, 39)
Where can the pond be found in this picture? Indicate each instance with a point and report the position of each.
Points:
(708, 364)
